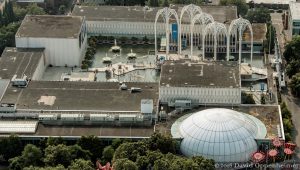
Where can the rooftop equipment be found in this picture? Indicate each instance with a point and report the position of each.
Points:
(20, 82)
(135, 89)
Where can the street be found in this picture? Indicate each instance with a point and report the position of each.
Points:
(292, 103)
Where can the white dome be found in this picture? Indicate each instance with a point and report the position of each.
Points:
(221, 134)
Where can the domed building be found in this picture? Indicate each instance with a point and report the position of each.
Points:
(221, 134)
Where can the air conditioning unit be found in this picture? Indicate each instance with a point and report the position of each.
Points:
(20, 82)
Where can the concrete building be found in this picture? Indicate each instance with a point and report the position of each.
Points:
(294, 18)
(63, 37)
(22, 61)
(139, 21)
(205, 83)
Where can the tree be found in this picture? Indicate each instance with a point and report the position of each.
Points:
(92, 144)
(34, 9)
(10, 147)
(164, 143)
(295, 84)
(153, 3)
(116, 143)
(247, 98)
(16, 163)
(62, 9)
(78, 153)
(241, 5)
(124, 164)
(166, 3)
(55, 141)
(291, 55)
(59, 154)
(258, 15)
(31, 155)
(58, 167)
(161, 164)
(108, 153)
(81, 164)
(269, 44)
(130, 150)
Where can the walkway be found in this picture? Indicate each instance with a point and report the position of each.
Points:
(292, 103)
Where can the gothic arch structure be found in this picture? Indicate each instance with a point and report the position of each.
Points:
(166, 13)
(191, 10)
(214, 30)
(203, 19)
(237, 28)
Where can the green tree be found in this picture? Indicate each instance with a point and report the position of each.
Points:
(116, 143)
(291, 55)
(108, 153)
(16, 163)
(142, 162)
(154, 3)
(262, 99)
(78, 153)
(81, 164)
(247, 98)
(124, 164)
(166, 3)
(8, 13)
(58, 167)
(295, 84)
(31, 155)
(130, 150)
(259, 15)
(55, 141)
(34, 9)
(92, 144)
(164, 143)
(241, 5)
(10, 147)
(62, 9)
(161, 164)
(269, 44)
(59, 154)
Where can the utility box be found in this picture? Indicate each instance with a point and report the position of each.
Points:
(183, 104)
(147, 106)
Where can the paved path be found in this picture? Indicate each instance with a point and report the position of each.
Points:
(292, 103)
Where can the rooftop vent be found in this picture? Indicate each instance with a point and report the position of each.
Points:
(20, 82)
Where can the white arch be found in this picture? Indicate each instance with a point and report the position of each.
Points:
(239, 26)
(191, 10)
(166, 13)
(203, 19)
(215, 29)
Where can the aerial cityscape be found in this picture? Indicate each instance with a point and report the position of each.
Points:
(149, 84)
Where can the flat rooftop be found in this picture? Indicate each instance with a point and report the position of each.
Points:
(3, 86)
(19, 61)
(50, 26)
(66, 95)
(109, 132)
(295, 10)
(139, 14)
(259, 32)
(183, 73)
(268, 114)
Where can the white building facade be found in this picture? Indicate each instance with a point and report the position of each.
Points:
(60, 49)
(294, 18)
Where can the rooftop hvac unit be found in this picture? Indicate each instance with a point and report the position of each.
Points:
(20, 82)
(72, 117)
(127, 117)
(123, 86)
(146, 106)
(98, 117)
(139, 118)
(47, 117)
(7, 107)
(135, 89)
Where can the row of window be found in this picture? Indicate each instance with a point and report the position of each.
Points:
(194, 92)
